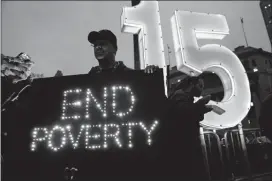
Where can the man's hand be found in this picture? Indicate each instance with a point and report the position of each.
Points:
(151, 69)
(202, 108)
(204, 100)
(16, 68)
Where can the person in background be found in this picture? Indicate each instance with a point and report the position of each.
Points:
(180, 134)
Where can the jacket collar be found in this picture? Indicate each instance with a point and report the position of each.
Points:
(117, 64)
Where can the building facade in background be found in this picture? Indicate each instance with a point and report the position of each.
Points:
(258, 65)
(266, 7)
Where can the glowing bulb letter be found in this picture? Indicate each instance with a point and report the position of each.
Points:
(187, 27)
(94, 136)
(36, 139)
(63, 139)
(149, 131)
(128, 90)
(65, 104)
(72, 139)
(114, 136)
(130, 125)
(90, 97)
(144, 20)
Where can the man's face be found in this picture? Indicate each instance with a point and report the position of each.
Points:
(103, 49)
(198, 88)
(195, 88)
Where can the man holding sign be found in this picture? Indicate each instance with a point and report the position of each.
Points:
(177, 134)
(182, 112)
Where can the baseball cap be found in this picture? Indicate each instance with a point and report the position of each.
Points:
(102, 35)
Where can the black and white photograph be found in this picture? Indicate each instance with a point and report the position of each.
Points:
(137, 90)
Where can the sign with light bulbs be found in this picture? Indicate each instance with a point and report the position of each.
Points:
(98, 112)
(187, 28)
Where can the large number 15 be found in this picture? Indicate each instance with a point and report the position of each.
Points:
(187, 27)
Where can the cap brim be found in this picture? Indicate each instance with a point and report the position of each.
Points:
(94, 36)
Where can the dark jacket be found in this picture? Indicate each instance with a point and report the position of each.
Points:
(181, 148)
(119, 66)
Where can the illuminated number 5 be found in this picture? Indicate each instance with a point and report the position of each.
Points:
(187, 27)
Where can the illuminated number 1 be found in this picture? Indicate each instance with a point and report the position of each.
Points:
(144, 20)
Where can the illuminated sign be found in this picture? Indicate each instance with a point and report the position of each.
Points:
(144, 20)
(93, 122)
(67, 136)
(97, 112)
(187, 28)
(193, 60)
